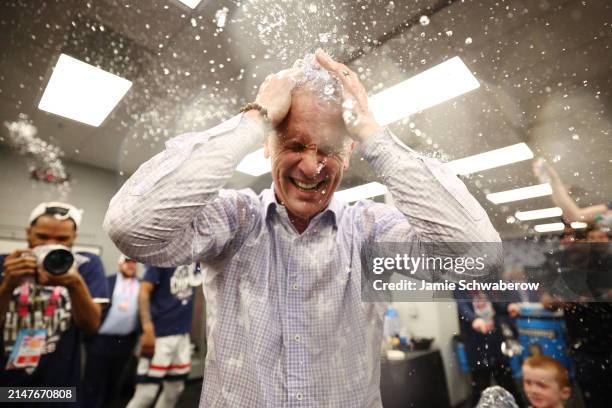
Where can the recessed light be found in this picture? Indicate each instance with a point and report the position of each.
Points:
(361, 192)
(518, 194)
(491, 159)
(434, 86)
(538, 214)
(578, 225)
(82, 92)
(555, 226)
(191, 3)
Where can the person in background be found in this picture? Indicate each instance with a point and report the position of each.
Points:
(571, 212)
(589, 324)
(545, 382)
(109, 352)
(42, 314)
(480, 322)
(166, 305)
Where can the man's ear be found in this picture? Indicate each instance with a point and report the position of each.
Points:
(29, 236)
(349, 153)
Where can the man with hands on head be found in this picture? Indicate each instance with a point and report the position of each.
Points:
(286, 324)
(54, 309)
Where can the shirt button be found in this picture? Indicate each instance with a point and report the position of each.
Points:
(299, 396)
(297, 338)
(296, 286)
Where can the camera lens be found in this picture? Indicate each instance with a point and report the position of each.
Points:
(58, 261)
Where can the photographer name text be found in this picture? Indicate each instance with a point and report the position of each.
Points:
(411, 285)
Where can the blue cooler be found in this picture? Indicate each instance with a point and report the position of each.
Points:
(541, 331)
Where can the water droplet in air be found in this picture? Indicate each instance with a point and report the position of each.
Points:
(468, 41)
(424, 20)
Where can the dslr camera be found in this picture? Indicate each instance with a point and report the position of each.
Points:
(55, 259)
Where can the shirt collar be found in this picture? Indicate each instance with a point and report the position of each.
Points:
(269, 202)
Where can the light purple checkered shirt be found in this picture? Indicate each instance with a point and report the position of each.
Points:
(286, 324)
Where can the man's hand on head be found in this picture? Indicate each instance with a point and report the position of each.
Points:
(275, 94)
(356, 113)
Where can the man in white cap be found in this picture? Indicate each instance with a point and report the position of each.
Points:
(109, 352)
(47, 301)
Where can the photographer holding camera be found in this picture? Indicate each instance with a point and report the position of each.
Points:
(48, 295)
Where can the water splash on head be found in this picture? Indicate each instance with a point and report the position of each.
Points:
(318, 79)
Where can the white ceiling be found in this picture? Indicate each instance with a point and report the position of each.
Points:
(545, 68)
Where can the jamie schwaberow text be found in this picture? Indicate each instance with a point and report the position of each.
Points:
(411, 285)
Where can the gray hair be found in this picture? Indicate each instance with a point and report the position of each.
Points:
(318, 79)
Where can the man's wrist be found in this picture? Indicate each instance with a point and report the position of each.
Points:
(367, 131)
(148, 327)
(255, 116)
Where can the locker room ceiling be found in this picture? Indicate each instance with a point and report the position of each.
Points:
(544, 67)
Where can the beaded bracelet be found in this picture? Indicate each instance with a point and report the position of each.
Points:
(254, 105)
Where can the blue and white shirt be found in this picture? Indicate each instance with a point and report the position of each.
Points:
(286, 323)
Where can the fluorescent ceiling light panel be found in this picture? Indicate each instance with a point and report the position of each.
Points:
(491, 159)
(555, 226)
(524, 193)
(538, 214)
(436, 85)
(190, 3)
(361, 192)
(255, 164)
(82, 92)
(578, 225)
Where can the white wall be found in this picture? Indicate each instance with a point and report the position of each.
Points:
(91, 190)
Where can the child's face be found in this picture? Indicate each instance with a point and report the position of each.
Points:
(542, 388)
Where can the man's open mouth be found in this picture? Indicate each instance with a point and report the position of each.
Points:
(306, 186)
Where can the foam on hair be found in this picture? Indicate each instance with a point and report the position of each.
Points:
(318, 79)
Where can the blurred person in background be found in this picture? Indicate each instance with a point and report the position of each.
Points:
(166, 307)
(109, 352)
(589, 323)
(545, 382)
(43, 314)
(480, 322)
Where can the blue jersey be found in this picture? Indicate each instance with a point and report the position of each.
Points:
(171, 299)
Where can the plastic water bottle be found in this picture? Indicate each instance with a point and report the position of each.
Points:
(391, 326)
